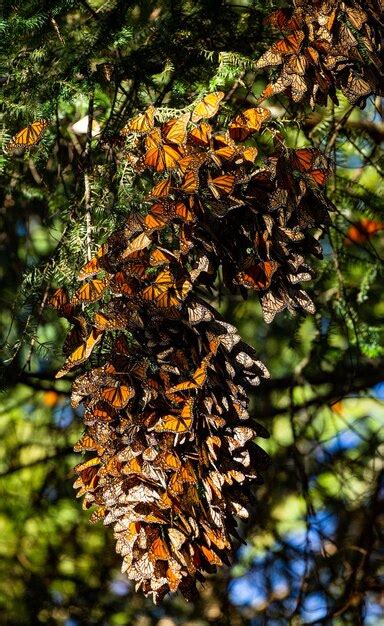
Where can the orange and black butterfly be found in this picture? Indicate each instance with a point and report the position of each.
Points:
(248, 122)
(163, 157)
(190, 182)
(166, 291)
(363, 230)
(61, 302)
(89, 292)
(28, 136)
(142, 123)
(283, 47)
(161, 256)
(165, 145)
(257, 276)
(201, 135)
(117, 395)
(221, 185)
(175, 131)
(180, 422)
(158, 217)
(81, 354)
(313, 163)
(161, 189)
(198, 378)
(120, 283)
(208, 106)
(93, 266)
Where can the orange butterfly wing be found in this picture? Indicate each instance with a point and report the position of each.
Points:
(118, 396)
(221, 185)
(175, 131)
(208, 106)
(81, 354)
(28, 136)
(142, 123)
(248, 122)
(90, 292)
(162, 158)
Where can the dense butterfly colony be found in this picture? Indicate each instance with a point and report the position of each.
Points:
(327, 46)
(166, 398)
(165, 392)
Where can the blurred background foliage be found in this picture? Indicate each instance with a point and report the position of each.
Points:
(313, 551)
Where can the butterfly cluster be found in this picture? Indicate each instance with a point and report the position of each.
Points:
(170, 436)
(327, 46)
(166, 392)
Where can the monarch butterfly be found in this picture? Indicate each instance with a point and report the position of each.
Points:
(136, 268)
(304, 158)
(175, 131)
(273, 56)
(182, 211)
(98, 514)
(312, 54)
(249, 153)
(28, 136)
(158, 551)
(356, 88)
(257, 276)
(184, 475)
(85, 465)
(272, 302)
(208, 106)
(211, 556)
(87, 443)
(167, 460)
(281, 19)
(201, 134)
(198, 379)
(165, 292)
(313, 163)
(173, 576)
(90, 292)
(221, 185)
(138, 243)
(226, 152)
(296, 64)
(158, 217)
(93, 266)
(160, 256)
(104, 322)
(162, 157)
(217, 537)
(192, 162)
(153, 139)
(60, 301)
(190, 182)
(142, 123)
(179, 423)
(248, 122)
(290, 44)
(361, 231)
(357, 17)
(161, 189)
(117, 396)
(81, 354)
(120, 283)
(98, 412)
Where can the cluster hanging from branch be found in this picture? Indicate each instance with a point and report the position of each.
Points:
(327, 46)
(166, 400)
